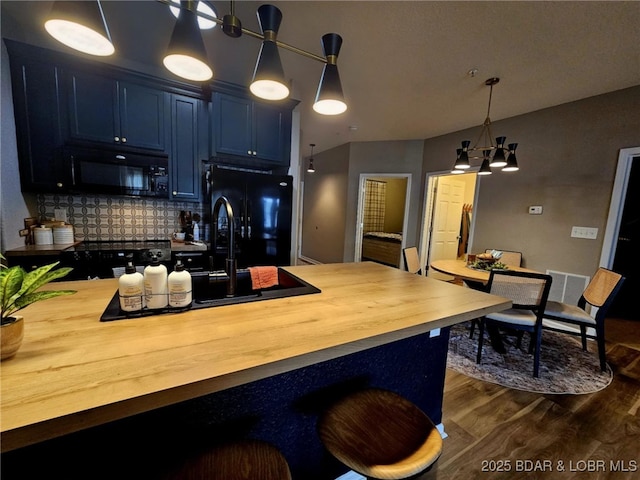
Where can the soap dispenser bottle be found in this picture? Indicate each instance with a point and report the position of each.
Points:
(179, 283)
(131, 289)
(196, 232)
(155, 284)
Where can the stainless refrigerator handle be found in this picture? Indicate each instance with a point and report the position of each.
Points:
(73, 171)
(207, 180)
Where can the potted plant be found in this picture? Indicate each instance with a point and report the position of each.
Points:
(18, 290)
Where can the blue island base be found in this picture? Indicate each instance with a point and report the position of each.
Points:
(282, 410)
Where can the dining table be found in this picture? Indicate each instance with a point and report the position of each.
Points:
(462, 271)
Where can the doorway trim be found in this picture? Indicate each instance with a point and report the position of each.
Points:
(428, 210)
(360, 216)
(618, 195)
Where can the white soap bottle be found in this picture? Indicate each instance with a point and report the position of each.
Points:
(196, 232)
(179, 283)
(155, 284)
(131, 289)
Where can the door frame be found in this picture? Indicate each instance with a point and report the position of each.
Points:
(618, 196)
(428, 211)
(360, 215)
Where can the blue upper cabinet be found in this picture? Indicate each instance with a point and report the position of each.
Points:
(250, 133)
(117, 112)
(188, 118)
(40, 120)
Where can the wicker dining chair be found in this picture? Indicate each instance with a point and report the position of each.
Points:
(508, 257)
(412, 260)
(600, 293)
(528, 292)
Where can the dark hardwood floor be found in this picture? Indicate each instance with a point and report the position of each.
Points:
(500, 433)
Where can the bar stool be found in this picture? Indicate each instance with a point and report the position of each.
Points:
(245, 460)
(380, 435)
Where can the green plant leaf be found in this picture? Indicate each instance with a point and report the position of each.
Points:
(41, 276)
(37, 296)
(10, 285)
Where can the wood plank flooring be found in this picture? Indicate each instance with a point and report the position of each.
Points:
(534, 436)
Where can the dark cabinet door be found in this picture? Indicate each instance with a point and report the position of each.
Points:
(233, 118)
(143, 116)
(39, 125)
(105, 110)
(184, 159)
(271, 131)
(258, 134)
(93, 108)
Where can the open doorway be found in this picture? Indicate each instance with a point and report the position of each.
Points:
(622, 234)
(447, 231)
(383, 206)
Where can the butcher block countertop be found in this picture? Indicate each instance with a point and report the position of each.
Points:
(73, 371)
(51, 249)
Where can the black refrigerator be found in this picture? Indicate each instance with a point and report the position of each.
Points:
(261, 207)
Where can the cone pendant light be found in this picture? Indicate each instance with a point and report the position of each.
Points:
(329, 98)
(186, 55)
(81, 26)
(268, 77)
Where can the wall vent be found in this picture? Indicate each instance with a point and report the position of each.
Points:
(567, 288)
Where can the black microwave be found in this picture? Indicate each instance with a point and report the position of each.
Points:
(112, 172)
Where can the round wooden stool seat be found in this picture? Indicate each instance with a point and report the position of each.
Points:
(246, 460)
(380, 434)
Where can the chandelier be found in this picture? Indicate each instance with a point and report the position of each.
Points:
(83, 26)
(484, 148)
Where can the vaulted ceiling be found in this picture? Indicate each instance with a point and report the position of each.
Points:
(403, 64)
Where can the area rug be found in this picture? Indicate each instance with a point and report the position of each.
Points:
(564, 367)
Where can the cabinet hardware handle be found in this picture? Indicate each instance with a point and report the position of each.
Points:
(174, 193)
(59, 184)
(117, 139)
(249, 152)
(255, 153)
(121, 157)
(124, 140)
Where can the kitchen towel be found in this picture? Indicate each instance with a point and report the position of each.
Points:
(263, 277)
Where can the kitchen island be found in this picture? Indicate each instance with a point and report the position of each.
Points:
(74, 372)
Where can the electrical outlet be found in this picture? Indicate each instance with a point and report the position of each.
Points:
(590, 233)
(60, 214)
(535, 210)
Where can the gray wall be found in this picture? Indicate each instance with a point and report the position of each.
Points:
(567, 156)
(331, 194)
(324, 206)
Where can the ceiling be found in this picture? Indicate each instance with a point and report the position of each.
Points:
(404, 65)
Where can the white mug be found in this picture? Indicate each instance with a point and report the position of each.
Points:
(179, 236)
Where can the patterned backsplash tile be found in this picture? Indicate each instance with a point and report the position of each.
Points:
(117, 218)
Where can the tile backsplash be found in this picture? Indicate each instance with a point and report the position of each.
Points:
(115, 217)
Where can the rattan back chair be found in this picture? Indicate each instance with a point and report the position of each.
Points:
(412, 260)
(513, 259)
(600, 293)
(528, 292)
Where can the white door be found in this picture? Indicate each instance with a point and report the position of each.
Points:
(447, 215)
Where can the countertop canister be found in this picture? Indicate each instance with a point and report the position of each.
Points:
(43, 235)
(63, 234)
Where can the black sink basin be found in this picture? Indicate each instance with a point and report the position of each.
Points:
(210, 290)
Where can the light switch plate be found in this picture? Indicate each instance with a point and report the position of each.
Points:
(590, 233)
